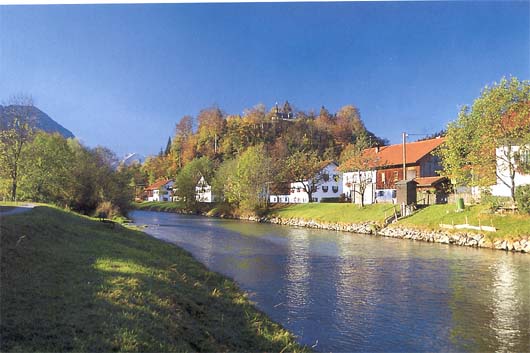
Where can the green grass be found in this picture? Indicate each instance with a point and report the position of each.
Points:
(508, 225)
(69, 283)
(334, 212)
(160, 206)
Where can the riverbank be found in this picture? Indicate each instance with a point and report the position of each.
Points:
(70, 283)
(513, 231)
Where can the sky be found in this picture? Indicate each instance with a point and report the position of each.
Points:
(122, 76)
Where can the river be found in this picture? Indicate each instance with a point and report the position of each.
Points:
(344, 292)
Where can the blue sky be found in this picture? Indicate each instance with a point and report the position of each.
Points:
(122, 75)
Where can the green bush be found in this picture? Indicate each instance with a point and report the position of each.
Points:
(522, 198)
(493, 202)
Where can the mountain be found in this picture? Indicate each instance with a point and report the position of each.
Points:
(132, 158)
(42, 120)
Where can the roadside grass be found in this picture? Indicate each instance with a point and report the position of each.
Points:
(70, 283)
(334, 212)
(508, 225)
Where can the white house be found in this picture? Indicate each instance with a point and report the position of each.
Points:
(505, 154)
(330, 186)
(203, 191)
(353, 184)
(161, 190)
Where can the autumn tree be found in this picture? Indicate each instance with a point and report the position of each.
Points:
(305, 168)
(210, 129)
(348, 124)
(182, 147)
(499, 119)
(16, 130)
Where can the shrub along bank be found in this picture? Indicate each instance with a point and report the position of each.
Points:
(70, 283)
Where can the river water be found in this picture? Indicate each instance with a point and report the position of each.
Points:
(344, 292)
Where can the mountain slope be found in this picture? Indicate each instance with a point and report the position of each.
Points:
(42, 120)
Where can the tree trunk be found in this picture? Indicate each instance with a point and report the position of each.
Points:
(14, 190)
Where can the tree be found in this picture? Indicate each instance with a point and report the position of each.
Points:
(16, 130)
(211, 125)
(305, 168)
(354, 159)
(348, 124)
(182, 149)
(244, 181)
(46, 168)
(188, 177)
(500, 117)
(168, 147)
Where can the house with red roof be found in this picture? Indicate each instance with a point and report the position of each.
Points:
(421, 165)
(161, 190)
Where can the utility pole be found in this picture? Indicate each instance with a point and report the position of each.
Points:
(404, 156)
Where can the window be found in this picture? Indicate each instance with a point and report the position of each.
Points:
(335, 189)
(336, 177)
(396, 176)
(325, 177)
(383, 177)
(325, 188)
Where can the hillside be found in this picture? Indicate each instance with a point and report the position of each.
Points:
(42, 120)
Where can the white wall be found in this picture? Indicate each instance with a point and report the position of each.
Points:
(333, 187)
(353, 178)
(163, 194)
(502, 171)
(203, 191)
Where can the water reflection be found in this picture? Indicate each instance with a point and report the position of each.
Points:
(360, 293)
(505, 304)
(297, 272)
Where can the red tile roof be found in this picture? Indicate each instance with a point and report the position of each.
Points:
(157, 184)
(393, 154)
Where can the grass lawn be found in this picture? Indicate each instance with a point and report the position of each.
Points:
(508, 225)
(159, 206)
(334, 212)
(70, 283)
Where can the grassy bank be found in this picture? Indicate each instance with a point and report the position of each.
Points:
(70, 283)
(159, 206)
(508, 225)
(334, 212)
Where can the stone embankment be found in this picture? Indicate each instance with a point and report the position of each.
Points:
(443, 237)
(374, 228)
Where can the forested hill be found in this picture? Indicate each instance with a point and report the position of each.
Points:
(41, 120)
(282, 131)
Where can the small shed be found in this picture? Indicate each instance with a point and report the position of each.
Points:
(406, 192)
(433, 190)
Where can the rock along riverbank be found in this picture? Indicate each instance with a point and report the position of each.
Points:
(434, 236)
(475, 240)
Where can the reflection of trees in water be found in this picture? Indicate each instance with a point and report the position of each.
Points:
(297, 270)
(487, 312)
